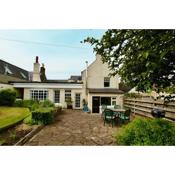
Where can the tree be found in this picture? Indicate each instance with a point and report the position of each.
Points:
(143, 58)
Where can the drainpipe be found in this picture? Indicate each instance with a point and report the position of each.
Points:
(86, 79)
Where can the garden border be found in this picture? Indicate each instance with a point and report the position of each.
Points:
(27, 137)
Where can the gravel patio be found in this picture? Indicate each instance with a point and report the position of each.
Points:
(73, 127)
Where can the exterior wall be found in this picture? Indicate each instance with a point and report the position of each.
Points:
(26, 94)
(119, 98)
(5, 86)
(96, 73)
(51, 95)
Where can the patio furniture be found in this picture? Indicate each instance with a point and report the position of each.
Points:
(117, 107)
(125, 116)
(103, 107)
(109, 116)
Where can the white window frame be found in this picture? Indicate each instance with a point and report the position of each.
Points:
(113, 99)
(106, 80)
(39, 94)
(56, 98)
(67, 94)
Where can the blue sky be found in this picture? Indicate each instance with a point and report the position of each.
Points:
(60, 62)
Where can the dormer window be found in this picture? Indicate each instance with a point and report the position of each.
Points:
(23, 75)
(7, 70)
(106, 82)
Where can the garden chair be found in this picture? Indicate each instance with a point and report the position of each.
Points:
(103, 107)
(109, 116)
(125, 117)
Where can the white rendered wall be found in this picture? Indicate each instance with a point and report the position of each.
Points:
(96, 73)
(5, 86)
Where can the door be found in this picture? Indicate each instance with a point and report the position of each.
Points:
(95, 104)
(77, 100)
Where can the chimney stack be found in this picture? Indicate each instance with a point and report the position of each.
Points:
(36, 70)
(43, 73)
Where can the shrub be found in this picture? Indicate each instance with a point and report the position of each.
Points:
(57, 110)
(30, 121)
(7, 97)
(147, 132)
(31, 104)
(18, 103)
(46, 103)
(43, 115)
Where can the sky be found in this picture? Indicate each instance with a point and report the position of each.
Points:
(60, 50)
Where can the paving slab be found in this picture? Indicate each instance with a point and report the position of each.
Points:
(74, 127)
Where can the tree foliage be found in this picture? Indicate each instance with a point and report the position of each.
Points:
(143, 58)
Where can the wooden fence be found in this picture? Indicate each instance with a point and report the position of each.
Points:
(144, 106)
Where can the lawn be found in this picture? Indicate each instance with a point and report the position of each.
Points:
(11, 115)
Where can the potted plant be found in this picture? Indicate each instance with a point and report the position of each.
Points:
(85, 106)
(69, 103)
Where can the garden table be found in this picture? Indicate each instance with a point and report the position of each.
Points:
(118, 110)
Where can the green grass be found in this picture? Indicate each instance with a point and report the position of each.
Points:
(9, 116)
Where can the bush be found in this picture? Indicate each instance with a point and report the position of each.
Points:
(30, 121)
(7, 97)
(43, 115)
(147, 132)
(31, 104)
(18, 103)
(57, 110)
(46, 103)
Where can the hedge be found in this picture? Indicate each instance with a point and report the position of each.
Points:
(7, 97)
(143, 131)
(43, 115)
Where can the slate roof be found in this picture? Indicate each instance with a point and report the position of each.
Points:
(10, 72)
(106, 91)
(75, 77)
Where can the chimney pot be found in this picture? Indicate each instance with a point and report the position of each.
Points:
(37, 59)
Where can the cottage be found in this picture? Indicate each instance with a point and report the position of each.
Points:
(93, 86)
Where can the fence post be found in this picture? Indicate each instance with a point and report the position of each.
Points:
(134, 106)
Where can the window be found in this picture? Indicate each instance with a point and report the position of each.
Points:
(67, 95)
(106, 81)
(77, 100)
(106, 101)
(57, 96)
(7, 70)
(40, 95)
(113, 101)
(24, 76)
